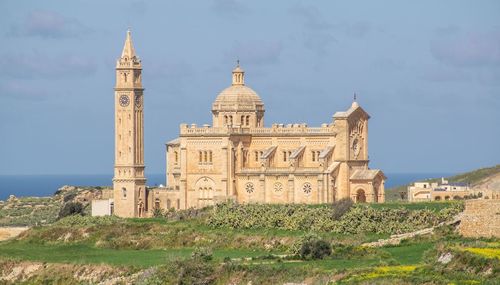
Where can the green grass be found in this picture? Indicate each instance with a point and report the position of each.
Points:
(434, 206)
(86, 254)
(409, 254)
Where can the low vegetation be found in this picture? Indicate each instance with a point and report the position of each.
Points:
(356, 219)
(262, 244)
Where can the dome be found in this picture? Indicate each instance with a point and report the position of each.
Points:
(238, 96)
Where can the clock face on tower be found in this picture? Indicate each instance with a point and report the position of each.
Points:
(124, 100)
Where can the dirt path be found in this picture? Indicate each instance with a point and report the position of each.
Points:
(11, 232)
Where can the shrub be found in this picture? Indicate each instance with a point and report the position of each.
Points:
(309, 237)
(71, 208)
(315, 249)
(87, 221)
(340, 207)
(357, 219)
(202, 253)
(157, 212)
(69, 197)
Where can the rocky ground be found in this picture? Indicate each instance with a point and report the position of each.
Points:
(30, 211)
(11, 232)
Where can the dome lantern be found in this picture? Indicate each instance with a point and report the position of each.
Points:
(238, 104)
(238, 75)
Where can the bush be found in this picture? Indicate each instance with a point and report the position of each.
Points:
(71, 208)
(157, 212)
(202, 253)
(315, 249)
(69, 197)
(88, 221)
(358, 219)
(340, 207)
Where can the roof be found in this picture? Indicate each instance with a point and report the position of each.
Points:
(176, 141)
(324, 153)
(238, 96)
(296, 153)
(354, 107)
(366, 174)
(333, 166)
(128, 48)
(268, 152)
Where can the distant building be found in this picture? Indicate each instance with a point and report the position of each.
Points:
(435, 191)
(238, 158)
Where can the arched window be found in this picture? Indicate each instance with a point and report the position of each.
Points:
(200, 156)
(176, 157)
(210, 156)
(157, 203)
(124, 77)
(313, 155)
(205, 156)
(247, 122)
(242, 120)
(225, 120)
(256, 156)
(124, 192)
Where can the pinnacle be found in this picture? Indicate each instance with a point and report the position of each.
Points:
(128, 48)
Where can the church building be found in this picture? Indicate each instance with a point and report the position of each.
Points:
(237, 157)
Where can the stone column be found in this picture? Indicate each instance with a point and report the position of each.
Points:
(291, 189)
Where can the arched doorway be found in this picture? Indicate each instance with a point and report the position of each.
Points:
(437, 198)
(360, 196)
(205, 187)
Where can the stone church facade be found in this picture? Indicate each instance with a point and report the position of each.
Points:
(238, 158)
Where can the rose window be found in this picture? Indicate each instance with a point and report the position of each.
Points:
(249, 187)
(307, 188)
(278, 187)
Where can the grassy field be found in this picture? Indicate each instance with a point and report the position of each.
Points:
(83, 254)
(162, 250)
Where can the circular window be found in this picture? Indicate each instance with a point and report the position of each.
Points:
(278, 188)
(307, 188)
(249, 187)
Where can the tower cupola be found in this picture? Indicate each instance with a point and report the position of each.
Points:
(238, 75)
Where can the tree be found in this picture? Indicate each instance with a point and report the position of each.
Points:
(71, 208)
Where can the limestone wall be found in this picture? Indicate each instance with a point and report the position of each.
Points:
(481, 218)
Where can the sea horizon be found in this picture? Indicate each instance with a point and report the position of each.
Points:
(43, 185)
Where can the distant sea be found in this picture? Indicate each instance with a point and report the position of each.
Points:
(46, 185)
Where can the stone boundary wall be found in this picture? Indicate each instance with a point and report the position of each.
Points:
(481, 218)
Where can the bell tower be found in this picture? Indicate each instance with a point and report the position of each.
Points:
(129, 183)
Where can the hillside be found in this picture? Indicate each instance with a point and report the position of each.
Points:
(252, 244)
(488, 177)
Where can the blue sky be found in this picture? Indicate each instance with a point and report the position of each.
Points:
(428, 72)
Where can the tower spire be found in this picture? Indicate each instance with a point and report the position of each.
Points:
(128, 48)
